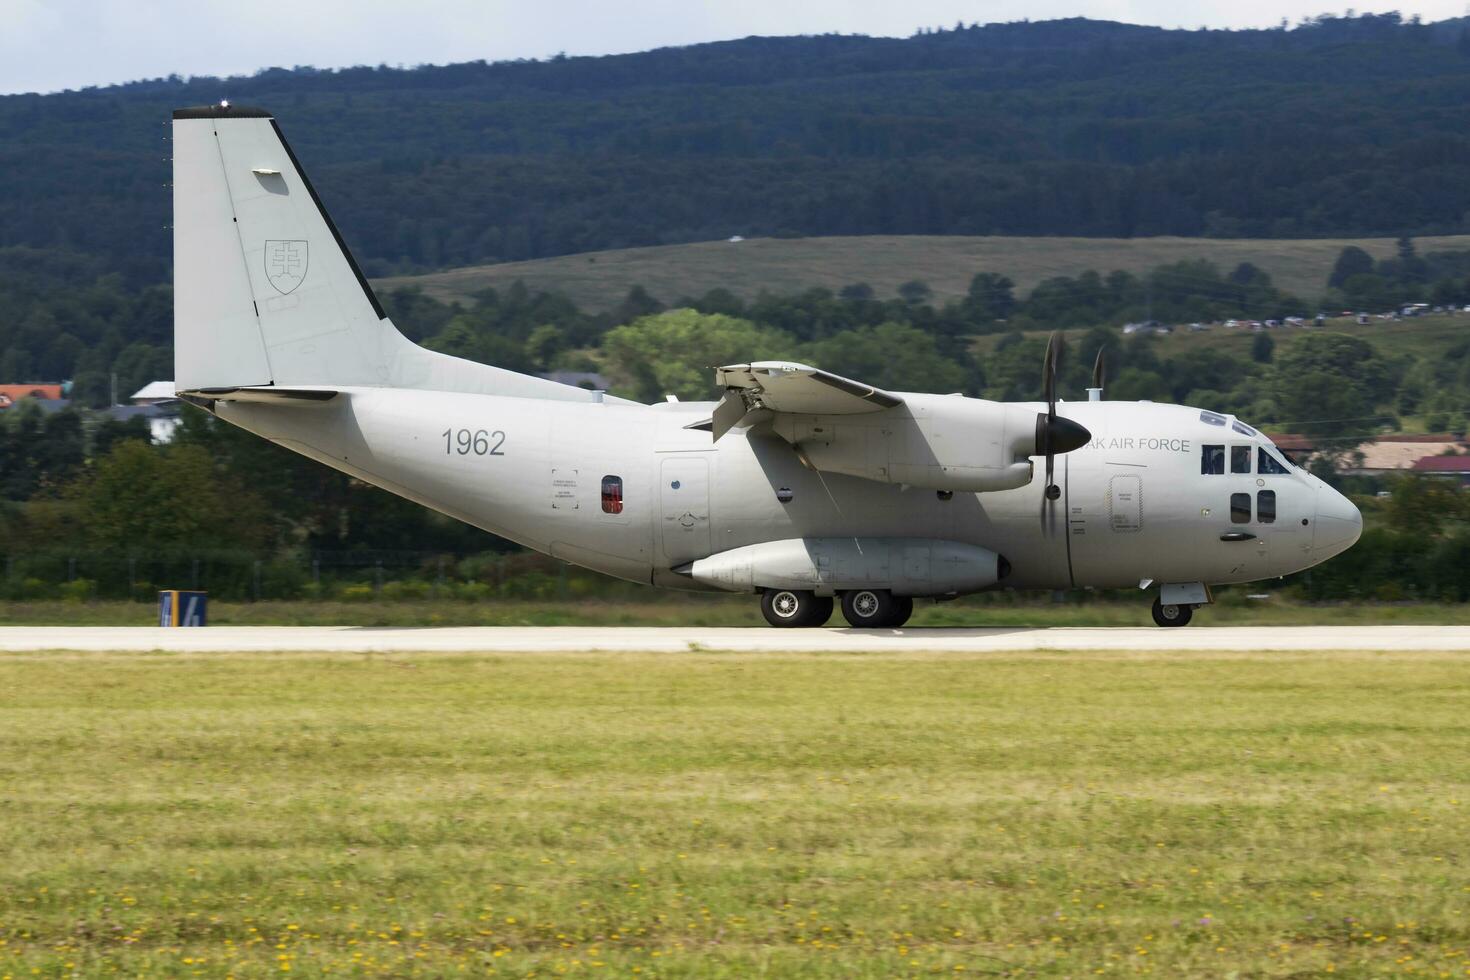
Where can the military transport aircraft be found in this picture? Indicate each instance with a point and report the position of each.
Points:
(798, 485)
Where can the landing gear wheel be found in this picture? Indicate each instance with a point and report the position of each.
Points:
(875, 609)
(1171, 614)
(795, 608)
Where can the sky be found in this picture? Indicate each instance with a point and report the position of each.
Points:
(50, 45)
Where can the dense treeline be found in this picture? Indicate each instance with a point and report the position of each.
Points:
(74, 483)
(1340, 126)
(70, 321)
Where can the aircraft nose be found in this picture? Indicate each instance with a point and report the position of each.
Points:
(1338, 524)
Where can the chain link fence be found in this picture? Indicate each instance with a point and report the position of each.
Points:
(349, 576)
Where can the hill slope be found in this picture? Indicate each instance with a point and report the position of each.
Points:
(599, 280)
(1344, 126)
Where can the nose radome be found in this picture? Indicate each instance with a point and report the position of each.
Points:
(1338, 524)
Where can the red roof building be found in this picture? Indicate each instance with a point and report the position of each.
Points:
(10, 394)
(1451, 465)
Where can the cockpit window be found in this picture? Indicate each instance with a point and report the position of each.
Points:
(1242, 428)
(1268, 465)
(1211, 418)
(1240, 459)
(1212, 460)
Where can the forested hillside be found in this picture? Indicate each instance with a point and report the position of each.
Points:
(1338, 127)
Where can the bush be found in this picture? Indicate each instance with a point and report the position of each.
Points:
(471, 591)
(359, 592)
(282, 580)
(406, 590)
(77, 590)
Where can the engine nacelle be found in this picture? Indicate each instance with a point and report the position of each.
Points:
(906, 566)
(936, 442)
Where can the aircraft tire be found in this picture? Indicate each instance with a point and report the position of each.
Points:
(875, 609)
(795, 608)
(903, 608)
(1172, 615)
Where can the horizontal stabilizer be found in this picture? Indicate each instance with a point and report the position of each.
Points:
(261, 396)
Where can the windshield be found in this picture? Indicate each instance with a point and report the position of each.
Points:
(1269, 465)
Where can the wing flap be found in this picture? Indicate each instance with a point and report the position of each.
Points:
(791, 388)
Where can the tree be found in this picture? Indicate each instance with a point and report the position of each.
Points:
(1422, 505)
(890, 355)
(1331, 384)
(672, 353)
(915, 292)
(1351, 261)
(1261, 347)
(638, 303)
(141, 498)
(990, 297)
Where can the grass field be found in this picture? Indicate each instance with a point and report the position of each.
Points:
(722, 815)
(671, 610)
(599, 280)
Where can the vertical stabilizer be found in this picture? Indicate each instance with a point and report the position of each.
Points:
(265, 290)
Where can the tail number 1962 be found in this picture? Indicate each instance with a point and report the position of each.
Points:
(475, 442)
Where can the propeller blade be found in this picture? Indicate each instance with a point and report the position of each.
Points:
(1051, 431)
(1099, 370)
(1049, 372)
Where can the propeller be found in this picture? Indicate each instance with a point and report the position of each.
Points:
(1099, 372)
(1054, 433)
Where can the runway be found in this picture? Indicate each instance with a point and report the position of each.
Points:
(561, 639)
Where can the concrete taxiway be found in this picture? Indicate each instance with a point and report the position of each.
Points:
(684, 639)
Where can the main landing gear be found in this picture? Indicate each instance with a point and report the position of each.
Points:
(795, 607)
(1172, 614)
(876, 609)
(862, 608)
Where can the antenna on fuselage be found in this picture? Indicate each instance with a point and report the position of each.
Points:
(1099, 374)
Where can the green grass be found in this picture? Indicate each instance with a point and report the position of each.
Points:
(673, 610)
(599, 280)
(726, 815)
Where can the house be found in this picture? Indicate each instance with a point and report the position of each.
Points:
(1399, 451)
(1451, 466)
(1298, 448)
(154, 393)
(10, 394)
(162, 420)
(155, 402)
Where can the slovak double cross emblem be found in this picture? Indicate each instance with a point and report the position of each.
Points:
(285, 264)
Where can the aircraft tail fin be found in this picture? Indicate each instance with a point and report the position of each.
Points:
(266, 292)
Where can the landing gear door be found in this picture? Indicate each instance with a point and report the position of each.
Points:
(684, 508)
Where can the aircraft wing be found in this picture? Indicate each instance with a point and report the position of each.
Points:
(787, 387)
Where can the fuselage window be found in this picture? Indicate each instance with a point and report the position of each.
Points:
(1240, 459)
(1242, 428)
(1266, 506)
(612, 495)
(1240, 508)
(1212, 460)
(1211, 418)
(1267, 464)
